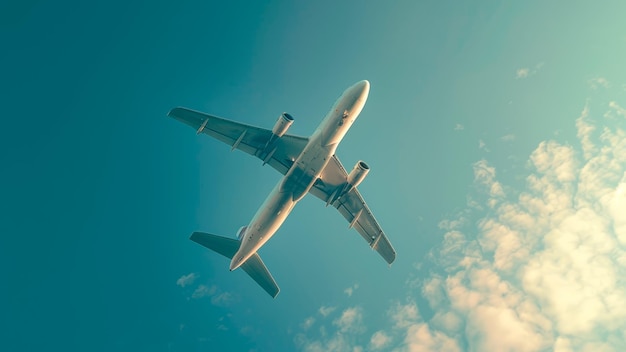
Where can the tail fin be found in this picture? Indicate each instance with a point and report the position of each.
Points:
(254, 266)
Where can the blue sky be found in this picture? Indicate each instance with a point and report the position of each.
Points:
(495, 132)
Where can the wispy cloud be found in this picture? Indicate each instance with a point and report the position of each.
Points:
(617, 109)
(325, 311)
(403, 315)
(218, 298)
(222, 299)
(350, 320)
(186, 280)
(525, 72)
(459, 127)
(350, 290)
(482, 145)
(599, 82)
(379, 340)
(348, 327)
(307, 323)
(508, 138)
(203, 291)
(485, 175)
(522, 72)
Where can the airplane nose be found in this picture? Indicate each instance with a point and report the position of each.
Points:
(361, 87)
(362, 90)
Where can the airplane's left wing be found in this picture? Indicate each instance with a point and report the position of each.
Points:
(277, 152)
(352, 207)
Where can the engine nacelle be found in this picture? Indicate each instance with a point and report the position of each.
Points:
(241, 232)
(282, 125)
(358, 173)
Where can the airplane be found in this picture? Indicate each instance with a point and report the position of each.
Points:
(309, 165)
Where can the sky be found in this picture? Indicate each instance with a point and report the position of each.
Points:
(495, 132)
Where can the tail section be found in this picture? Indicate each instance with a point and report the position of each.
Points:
(254, 266)
(257, 270)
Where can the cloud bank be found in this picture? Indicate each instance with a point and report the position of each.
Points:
(542, 268)
(545, 270)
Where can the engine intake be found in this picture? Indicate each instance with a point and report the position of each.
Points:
(282, 125)
(357, 174)
(355, 177)
(241, 232)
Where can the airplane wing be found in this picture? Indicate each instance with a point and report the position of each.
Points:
(278, 153)
(353, 208)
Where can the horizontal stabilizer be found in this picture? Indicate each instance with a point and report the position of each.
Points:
(222, 245)
(254, 266)
(258, 271)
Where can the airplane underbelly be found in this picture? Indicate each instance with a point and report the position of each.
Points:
(305, 171)
(268, 219)
(297, 184)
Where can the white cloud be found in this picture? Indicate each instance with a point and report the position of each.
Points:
(525, 72)
(459, 127)
(335, 343)
(348, 328)
(222, 299)
(508, 138)
(618, 109)
(403, 315)
(432, 290)
(186, 280)
(379, 340)
(545, 270)
(540, 268)
(421, 338)
(419, 335)
(350, 290)
(482, 145)
(522, 72)
(218, 298)
(325, 311)
(307, 323)
(539, 271)
(599, 82)
(485, 175)
(203, 291)
(448, 225)
(585, 128)
(350, 320)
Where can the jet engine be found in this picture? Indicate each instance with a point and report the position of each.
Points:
(241, 232)
(282, 125)
(357, 174)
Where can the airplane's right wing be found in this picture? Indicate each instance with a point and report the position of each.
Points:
(277, 152)
(353, 208)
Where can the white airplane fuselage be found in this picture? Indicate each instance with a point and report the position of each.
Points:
(305, 170)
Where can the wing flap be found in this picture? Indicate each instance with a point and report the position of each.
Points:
(352, 205)
(353, 208)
